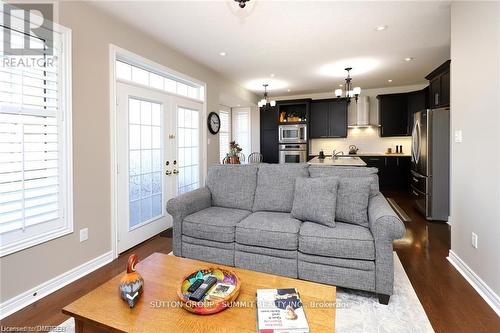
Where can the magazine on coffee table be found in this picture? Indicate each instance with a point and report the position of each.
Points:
(280, 311)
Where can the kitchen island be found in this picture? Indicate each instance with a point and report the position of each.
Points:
(338, 161)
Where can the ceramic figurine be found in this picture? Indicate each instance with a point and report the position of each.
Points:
(132, 283)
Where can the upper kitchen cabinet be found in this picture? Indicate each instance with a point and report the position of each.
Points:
(396, 111)
(393, 114)
(293, 111)
(439, 86)
(269, 117)
(328, 118)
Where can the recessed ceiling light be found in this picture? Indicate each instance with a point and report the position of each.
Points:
(289, 90)
(381, 28)
(408, 59)
(222, 54)
(271, 75)
(389, 80)
(341, 85)
(238, 105)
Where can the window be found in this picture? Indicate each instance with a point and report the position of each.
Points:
(145, 162)
(241, 129)
(35, 146)
(188, 149)
(225, 132)
(161, 81)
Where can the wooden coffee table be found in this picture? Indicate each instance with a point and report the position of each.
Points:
(102, 310)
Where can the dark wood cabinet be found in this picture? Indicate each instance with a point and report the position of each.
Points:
(393, 171)
(439, 86)
(328, 119)
(269, 134)
(393, 114)
(396, 111)
(318, 122)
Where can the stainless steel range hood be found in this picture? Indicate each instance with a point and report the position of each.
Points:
(359, 113)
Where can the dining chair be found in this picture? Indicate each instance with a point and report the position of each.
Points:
(255, 158)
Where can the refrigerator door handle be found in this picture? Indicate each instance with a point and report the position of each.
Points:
(415, 147)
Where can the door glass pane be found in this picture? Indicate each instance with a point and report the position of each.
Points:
(145, 162)
(188, 149)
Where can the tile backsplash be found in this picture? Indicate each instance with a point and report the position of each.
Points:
(368, 140)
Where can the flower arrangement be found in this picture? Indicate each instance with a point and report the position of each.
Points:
(234, 150)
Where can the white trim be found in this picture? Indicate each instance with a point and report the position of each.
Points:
(24, 299)
(114, 52)
(475, 281)
(112, 127)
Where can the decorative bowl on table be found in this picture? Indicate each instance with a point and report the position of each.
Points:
(212, 302)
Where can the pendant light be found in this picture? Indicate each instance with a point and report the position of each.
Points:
(264, 101)
(350, 92)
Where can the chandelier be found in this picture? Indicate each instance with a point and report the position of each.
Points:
(350, 92)
(265, 101)
(242, 3)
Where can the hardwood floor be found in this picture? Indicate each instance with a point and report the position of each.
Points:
(451, 304)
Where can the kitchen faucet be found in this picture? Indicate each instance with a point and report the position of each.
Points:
(336, 154)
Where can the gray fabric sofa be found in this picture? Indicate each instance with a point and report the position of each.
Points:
(242, 218)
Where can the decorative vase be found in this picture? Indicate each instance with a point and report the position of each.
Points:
(132, 283)
(234, 160)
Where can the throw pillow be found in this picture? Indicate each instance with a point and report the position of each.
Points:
(315, 200)
(352, 200)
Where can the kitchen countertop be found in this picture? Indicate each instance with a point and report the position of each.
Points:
(340, 161)
(376, 154)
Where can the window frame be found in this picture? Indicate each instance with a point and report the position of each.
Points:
(235, 134)
(65, 157)
(225, 109)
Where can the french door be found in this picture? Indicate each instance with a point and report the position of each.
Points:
(158, 153)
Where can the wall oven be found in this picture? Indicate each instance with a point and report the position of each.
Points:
(293, 133)
(293, 153)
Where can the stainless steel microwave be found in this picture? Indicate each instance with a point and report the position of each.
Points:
(293, 133)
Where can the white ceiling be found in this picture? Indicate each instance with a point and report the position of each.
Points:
(304, 43)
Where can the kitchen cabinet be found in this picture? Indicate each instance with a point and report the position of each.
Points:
(396, 111)
(328, 118)
(393, 171)
(393, 115)
(293, 111)
(439, 86)
(269, 134)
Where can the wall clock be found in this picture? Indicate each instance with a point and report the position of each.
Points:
(213, 123)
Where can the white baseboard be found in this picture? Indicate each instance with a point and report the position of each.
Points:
(475, 281)
(24, 299)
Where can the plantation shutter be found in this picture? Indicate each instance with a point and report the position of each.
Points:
(241, 129)
(33, 153)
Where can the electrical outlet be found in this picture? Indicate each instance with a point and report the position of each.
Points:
(458, 136)
(84, 234)
(474, 240)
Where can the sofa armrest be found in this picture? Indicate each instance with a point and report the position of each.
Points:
(385, 226)
(182, 206)
(383, 221)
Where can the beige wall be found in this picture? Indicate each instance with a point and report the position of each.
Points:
(368, 140)
(93, 31)
(475, 181)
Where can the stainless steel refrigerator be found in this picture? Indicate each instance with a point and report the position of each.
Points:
(430, 163)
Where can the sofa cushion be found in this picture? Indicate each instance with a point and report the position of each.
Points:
(352, 200)
(314, 200)
(344, 241)
(232, 186)
(269, 229)
(347, 172)
(213, 223)
(275, 186)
